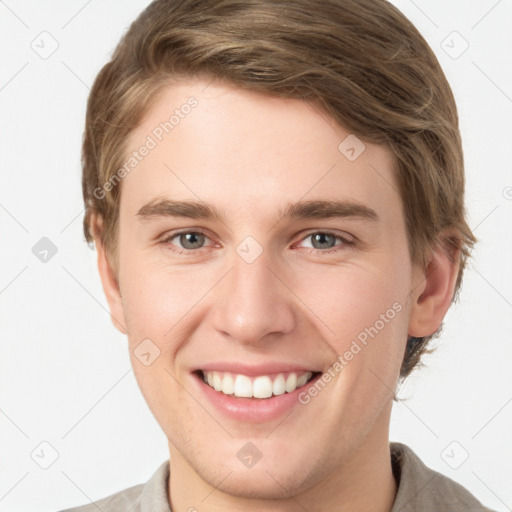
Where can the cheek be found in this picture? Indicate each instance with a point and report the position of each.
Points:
(157, 300)
(345, 298)
(362, 311)
(161, 304)
(349, 299)
(364, 318)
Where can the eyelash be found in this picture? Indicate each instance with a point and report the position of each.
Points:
(346, 242)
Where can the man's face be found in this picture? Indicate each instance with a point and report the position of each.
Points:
(256, 296)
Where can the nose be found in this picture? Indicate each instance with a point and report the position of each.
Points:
(254, 303)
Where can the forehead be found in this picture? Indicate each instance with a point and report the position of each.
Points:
(249, 153)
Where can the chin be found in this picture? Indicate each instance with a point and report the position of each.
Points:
(274, 477)
(264, 484)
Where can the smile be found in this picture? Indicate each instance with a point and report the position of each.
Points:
(261, 386)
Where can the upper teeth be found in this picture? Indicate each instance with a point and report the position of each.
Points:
(262, 386)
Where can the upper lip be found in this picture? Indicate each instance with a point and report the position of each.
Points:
(252, 370)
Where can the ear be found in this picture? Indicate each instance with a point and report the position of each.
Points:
(109, 280)
(434, 287)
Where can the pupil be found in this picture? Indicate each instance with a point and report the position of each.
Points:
(321, 238)
(191, 240)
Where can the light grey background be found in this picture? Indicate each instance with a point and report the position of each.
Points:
(65, 374)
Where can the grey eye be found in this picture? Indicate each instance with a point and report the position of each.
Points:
(191, 240)
(323, 240)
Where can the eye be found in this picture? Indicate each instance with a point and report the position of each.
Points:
(187, 240)
(325, 241)
(321, 241)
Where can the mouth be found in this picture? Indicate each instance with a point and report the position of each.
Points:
(259, 387)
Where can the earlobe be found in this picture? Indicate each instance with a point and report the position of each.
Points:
(109, 280)
(434, 289)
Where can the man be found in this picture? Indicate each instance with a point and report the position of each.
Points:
(275, 191)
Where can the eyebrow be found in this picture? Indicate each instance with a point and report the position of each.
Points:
(314, 209)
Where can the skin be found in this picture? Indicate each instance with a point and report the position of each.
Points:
(250, 154)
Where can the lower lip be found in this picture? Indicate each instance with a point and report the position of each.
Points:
(256, 410)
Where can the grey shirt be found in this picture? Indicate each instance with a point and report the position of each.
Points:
(420, 489)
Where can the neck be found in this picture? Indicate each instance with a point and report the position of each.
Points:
(364, 481)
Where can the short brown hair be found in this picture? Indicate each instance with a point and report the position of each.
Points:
(361, 61)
